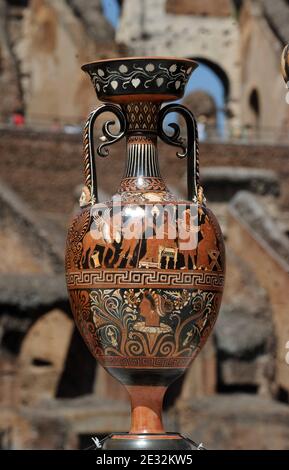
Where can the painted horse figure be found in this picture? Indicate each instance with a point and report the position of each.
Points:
(103, 234)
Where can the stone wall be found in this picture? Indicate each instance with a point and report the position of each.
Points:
(235, 422)
(45, 168)
(147, 28)
(256, 238)
(55, 44)
(43, 45)
(10, 84)
(199, 7)
(263, 76)
(42, 54)
(42, 356)
(232, 40)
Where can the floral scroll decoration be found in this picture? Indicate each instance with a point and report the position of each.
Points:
(74, 240)
(80, 306)
(130, 76)
(120, 329)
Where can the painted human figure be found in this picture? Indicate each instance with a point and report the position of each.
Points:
(168, 248)
(187, 231)
(149, 311)
(131, 238)
(152, 243)
(207, 244)
(104, 236)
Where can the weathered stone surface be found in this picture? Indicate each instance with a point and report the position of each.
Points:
(255, 237)
(147, 28)
(258, 372)
(222, 183)
(201, 104)
(220, 422)
(277, 14)
(35, 35)
(42, 356)
(26, 242)
(85, 415)
(10, 83)
(23, 430)
(91, 13)
(58, 37)
(244, 331)
(235, 422)
(256, 216)
(265, 118)
(9, 393)
(32, 292)
(199, 7)
(201, 378)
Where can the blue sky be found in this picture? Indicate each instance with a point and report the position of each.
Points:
(202, 79)
(111, 11)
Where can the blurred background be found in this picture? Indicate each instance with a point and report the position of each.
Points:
(52, 393)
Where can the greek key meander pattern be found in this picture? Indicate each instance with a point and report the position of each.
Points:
(145, 362)
(145, 278)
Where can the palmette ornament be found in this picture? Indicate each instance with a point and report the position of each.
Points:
(145, 271)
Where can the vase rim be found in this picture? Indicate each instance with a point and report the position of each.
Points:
(140, 78)
(192, 62)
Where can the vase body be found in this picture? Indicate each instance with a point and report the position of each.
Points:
(145, 271)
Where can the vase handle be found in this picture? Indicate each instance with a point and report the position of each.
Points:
(190, 147)
(90, 193)
(285, 64)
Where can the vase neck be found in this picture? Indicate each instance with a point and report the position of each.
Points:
(141, 116)
(142, 157)
(142, 167)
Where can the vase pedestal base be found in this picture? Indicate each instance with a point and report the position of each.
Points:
(167, 441)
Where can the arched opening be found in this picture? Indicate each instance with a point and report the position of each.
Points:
(211, 82)
(253, 114)
(219, 71)
(204, 107)
(238, 5)
(43, 354)
(254, 103)
(79, 370)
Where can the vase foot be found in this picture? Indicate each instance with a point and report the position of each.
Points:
(167, 441)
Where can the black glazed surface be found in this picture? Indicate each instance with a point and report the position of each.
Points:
(166, 77)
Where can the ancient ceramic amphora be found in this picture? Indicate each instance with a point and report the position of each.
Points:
(145, 271)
